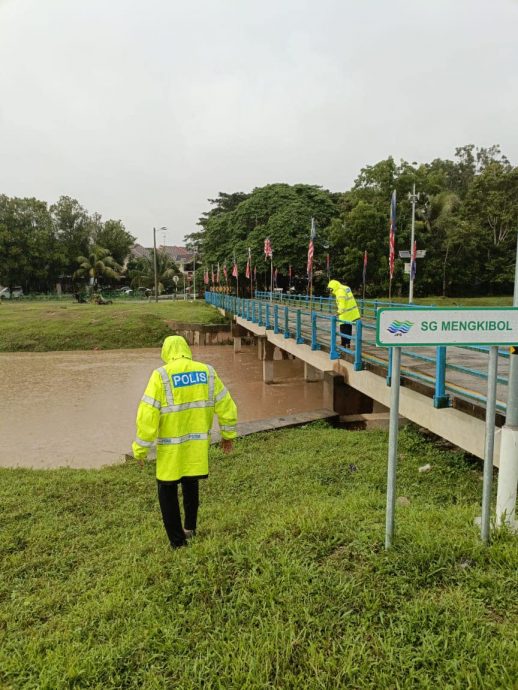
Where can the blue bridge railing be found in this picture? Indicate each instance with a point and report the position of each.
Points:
(313, 321)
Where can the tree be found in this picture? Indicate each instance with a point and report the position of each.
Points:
(31, 255)
(96, 265)
(142, 271)
(72, 226)
(115, 238)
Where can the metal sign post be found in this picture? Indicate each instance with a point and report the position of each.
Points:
(392, 454)
(422, 326)
(489, 443)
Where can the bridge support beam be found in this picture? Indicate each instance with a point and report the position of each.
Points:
(237, 343)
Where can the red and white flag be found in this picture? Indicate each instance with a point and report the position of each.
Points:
(217, 275)
(212, 274)
(234, 269)
(311, 248)
(225, 271)
(268, 253)
(206, 277)
(248, 263)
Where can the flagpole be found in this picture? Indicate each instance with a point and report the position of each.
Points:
(271, 277)
(364, 275)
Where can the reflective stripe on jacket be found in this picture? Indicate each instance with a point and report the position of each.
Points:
(177, 410)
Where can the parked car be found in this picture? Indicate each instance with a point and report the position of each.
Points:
(143, 291)
(125, 291)
(15, 293)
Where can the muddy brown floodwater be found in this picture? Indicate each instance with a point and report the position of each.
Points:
(77, 409)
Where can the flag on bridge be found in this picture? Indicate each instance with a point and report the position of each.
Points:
(275, 278)
(234, 269)
(217, 275)
(212, 273)
(206, 277)
(413, 264)
(392, 234)
(268, 253)
(248, 264)
(365, 259)
(225, 271)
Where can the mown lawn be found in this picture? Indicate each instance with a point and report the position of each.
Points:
(287, 585)
(500, 301)
(47, 326)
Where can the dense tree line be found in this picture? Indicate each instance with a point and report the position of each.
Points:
(41, 245)
(466, 219)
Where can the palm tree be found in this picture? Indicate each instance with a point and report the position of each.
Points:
(98, 263)
(143, 275)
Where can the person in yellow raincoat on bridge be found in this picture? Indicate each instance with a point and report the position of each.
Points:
(346, 308)
(176, 411)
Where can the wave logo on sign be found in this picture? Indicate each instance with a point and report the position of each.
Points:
(400, 327)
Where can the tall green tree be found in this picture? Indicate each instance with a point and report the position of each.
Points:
(113, 236)
(73, 228)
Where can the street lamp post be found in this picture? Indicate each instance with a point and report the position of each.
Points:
(164, 229)
(413, 198)
(155, 265)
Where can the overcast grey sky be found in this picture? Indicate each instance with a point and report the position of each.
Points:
(143, 109)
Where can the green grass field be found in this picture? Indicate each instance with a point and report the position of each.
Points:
(47, 326)
(286, 586)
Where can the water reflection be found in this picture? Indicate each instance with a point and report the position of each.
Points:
(77, 409)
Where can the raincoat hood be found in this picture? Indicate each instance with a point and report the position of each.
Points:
(333, 285)
(175, 347)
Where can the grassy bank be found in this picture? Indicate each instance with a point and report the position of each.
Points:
(40, 326)
(286, 586)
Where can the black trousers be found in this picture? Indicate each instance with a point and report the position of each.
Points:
(170, 507)
(346, 329)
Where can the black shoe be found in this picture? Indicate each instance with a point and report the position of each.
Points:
(178, 546)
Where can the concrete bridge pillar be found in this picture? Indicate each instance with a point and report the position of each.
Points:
(344, 399)
(237, 344)
(312, 374)
(261, 345)
(277, 364)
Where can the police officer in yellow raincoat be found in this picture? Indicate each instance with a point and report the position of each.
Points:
(176, 412)
(346, 308)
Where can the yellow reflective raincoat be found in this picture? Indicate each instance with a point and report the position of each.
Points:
(177, 410)
(345, 303)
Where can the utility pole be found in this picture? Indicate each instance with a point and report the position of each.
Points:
(508, 471)
(155, 264)
(413, 198)
(194, 275)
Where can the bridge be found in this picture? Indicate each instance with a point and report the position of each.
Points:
(443, 389)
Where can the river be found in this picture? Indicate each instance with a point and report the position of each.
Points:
(77, 409)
